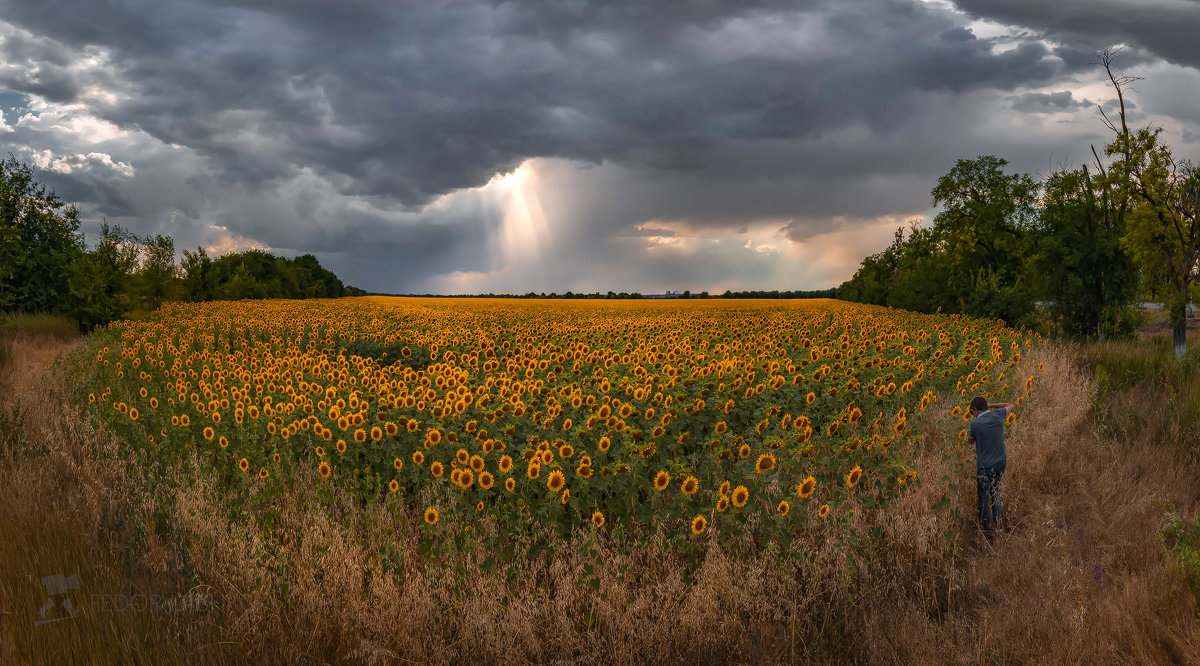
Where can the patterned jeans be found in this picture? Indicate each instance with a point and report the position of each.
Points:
(987, 483)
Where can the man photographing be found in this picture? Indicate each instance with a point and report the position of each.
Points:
(986, 432)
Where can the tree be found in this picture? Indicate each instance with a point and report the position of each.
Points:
(39, 240)
(981, 229)
(199, 280)
(99, 279)
(157, 279)
(1077, 264)
(876, 277)
(1162, 231)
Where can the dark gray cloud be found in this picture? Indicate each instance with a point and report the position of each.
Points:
(1053, 102)
(1165, 28)
(335, 128)
(432, 97)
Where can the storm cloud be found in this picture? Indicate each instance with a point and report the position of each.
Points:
(378, 137)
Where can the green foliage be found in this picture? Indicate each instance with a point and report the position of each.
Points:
(39, 240)
(1182, 539)
(257, 274)
(1163, 230)
(45, 268)
(1078, 266)
(970, 260)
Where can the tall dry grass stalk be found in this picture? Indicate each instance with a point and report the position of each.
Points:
(1080, 574)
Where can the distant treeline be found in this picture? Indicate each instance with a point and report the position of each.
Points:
(1069, 253)
(45, 266)
(820, 293)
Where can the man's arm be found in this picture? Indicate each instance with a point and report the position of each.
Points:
(1006, 405)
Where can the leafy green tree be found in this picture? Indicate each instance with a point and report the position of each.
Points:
(39, 241)
(199, 278)
(157, 278)
(981, 229)
(1077, 265)
(100, 279)
(876, 277)
(1162, 231)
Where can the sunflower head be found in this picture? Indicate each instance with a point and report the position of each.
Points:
(740, 496)
(431, 516)
(661, 481)
(765, 463)
(806, 487)
(854, 476)
(698, 524)
(556, 481)
(598, 519)
(690, 485)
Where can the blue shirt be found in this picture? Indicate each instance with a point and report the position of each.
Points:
(987, 430)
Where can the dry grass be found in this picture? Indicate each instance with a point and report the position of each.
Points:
(1080, 576)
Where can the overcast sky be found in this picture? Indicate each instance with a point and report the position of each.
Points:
(585, 145)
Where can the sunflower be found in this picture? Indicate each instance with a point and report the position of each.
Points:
(605, 442)
(393, 485)
(723, 503)
(324, 470)
(854, 476)
(376, 433)
(486, 480)
(208, 433)
(566, 495)
(744, 451)
(223, 442)
(436, 469)
(690, 485)
(740, 496)
(721, 427)
(723, 489)
(431, 516)
(765, 463)
(454, 475)
(510, 484)
(810, 397)
(661, 481)
(263, 473)
(466, 478)
(556, 481)
(806, 487)
(1008, 420)
(698, 524)
(506, 463)
(412, 424)
(418, 458)
(244, 465)
(340, 446)
(598, 519)
(533, 471)
(133, 413)
(824, 510)
(391, 428)
(398, 463)
(783, 508)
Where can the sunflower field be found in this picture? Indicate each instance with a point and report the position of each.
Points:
(740, 421)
